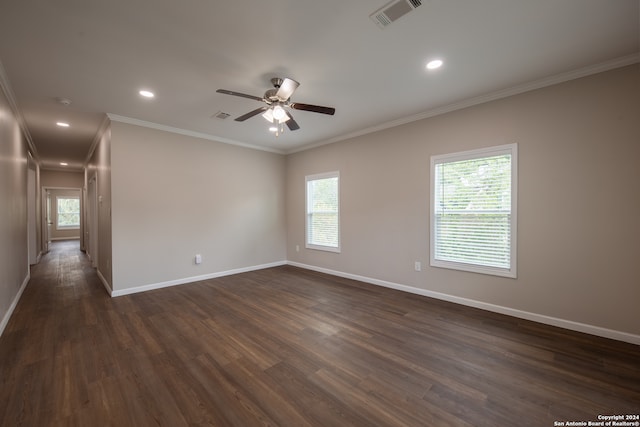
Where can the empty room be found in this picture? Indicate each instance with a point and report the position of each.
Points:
(337, 213)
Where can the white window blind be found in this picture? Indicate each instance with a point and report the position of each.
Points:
(474, 210)
(323, 212)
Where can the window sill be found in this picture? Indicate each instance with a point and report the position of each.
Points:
(323, 248)
(493, 271)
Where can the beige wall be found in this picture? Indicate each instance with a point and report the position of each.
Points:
(579, 201)
(61, 179)
(14, 261)
(176, 196)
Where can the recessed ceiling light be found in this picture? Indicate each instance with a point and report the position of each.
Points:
(436, 63)
(63, 124)
(146, 93)
(64, 164)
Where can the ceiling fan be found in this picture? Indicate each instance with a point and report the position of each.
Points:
(278, 105)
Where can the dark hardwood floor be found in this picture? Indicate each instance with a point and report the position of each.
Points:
(290, 347)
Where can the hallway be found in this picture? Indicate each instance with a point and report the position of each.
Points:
(56, 312)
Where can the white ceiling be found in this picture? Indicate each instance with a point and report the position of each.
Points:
(100, 53)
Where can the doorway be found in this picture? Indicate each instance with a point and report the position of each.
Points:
(62, 214)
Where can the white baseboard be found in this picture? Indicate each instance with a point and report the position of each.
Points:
(14, 304)
(540, 318)
(152, 286)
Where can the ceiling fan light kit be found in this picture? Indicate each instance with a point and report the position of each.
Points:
(278, 105)
(278, 117)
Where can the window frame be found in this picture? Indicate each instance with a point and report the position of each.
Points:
(309, 245)
(511, 149)
(67, 227)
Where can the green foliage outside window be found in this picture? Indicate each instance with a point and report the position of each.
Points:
(68, 209)
(473, 211)
(322, 212)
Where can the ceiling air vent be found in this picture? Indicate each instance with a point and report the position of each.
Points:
(220, 115)
(393, 11)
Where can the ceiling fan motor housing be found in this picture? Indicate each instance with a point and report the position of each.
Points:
(270, 96)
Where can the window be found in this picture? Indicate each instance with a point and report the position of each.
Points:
(323, 213)
(68, 212)
(473, 210)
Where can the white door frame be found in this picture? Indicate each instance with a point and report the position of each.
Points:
(46, 220)
(32, 216)
(91, 228)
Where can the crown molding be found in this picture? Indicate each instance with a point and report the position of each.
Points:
(5, 86)
(96, 139)
(492, 96)
(185, 132)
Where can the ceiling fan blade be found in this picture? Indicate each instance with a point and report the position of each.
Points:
(291, 123)
(252, 113)
(314, 108)
(244, 95)
(286, 89)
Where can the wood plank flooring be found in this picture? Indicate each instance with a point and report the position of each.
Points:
(290, 347)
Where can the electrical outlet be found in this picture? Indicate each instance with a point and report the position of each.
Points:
(418, 266)
(198, 259)
(297, 248)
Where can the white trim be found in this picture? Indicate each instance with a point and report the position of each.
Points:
(5, 87)
(540, 318)
(512, 150)
(14, 304)
(322, 248)
(104, 125)
(179, 131)
(307, 179)
(46, 187)
(152, 286)
(68, 227)
(491, 96)
(105, 283)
